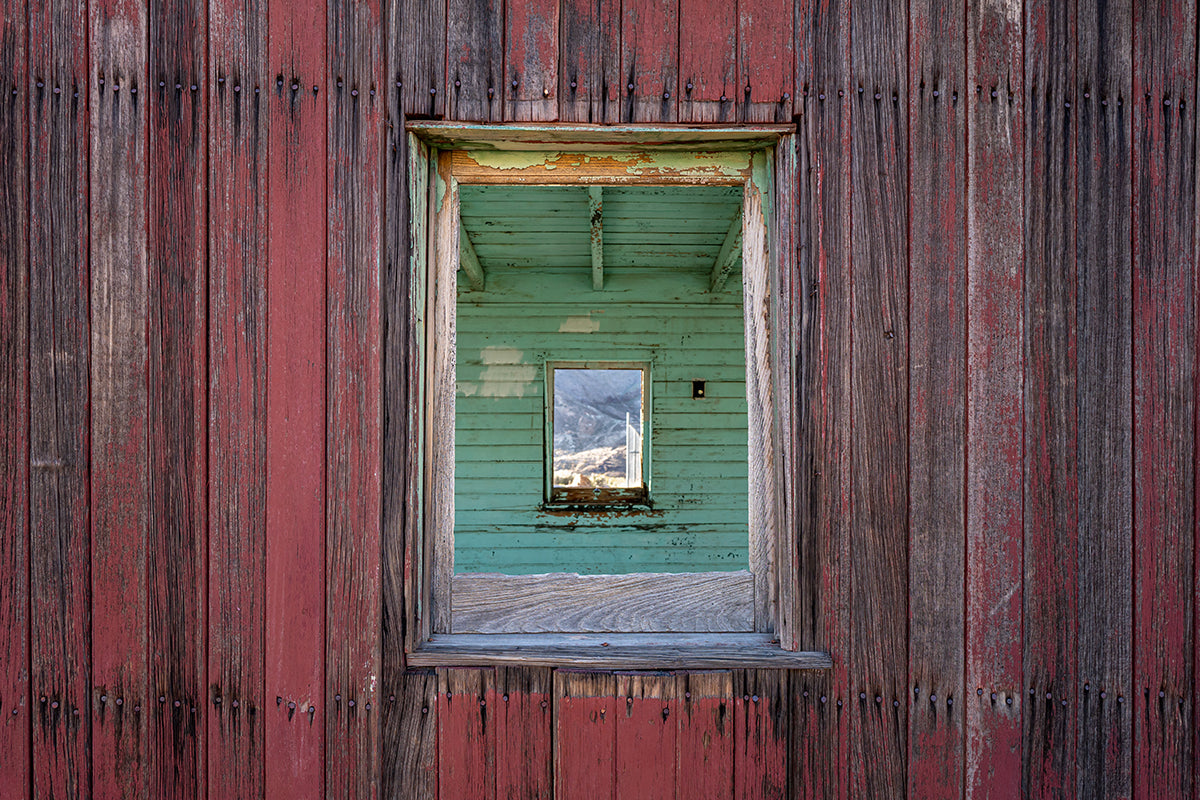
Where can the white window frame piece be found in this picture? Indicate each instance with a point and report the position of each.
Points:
(604, 622)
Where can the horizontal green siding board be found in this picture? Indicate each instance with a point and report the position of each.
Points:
(698, 447)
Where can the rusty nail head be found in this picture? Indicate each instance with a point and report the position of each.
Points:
(839, 702)
(687, 695)
(514, 83)
(722, 98)
(821, 96)
(103, 698)
(177, 704)
(862, 695)
(291, 704)
(545, 92)
(823, 698)
(120, 701)
(339, 697)
(1008, 701)
(43, 698)
(75, 712)
(162, 699)
(544, 704)
(504, 697)
(137, 708)
(895, 703)
(54, 704)
(351, 704)
(391, 698)
(424, 709)
(235, 703)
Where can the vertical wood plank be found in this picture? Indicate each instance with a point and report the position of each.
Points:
(1050, 671)
(879, 540)
(995, 135)
(177, 381)
(590, 68)
(823, 378)
(646, 736)
(15, 717)
(119, 397)
(1105, 397)
(524, 733)
(705, 739)
(354, 396)
(765, 69)
(410, 722)
(649, 61)
(585, 735)
(466, 739)
(418, 37)
(59, 424)
(1164, 397)
(708, 61)
(531, 60)
(296, 347)
(937, 385)
(475, 82)
(237, 375)
(761, 733)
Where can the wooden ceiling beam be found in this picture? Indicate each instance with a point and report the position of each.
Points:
(468, 260)
(730, 250)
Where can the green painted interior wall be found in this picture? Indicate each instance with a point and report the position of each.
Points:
(654, 309)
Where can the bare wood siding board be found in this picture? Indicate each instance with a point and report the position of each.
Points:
(766, 72)
(467, 733)
(59, 423)
(475, 82)
(409, 768)
(1105, 398)
(704, 601)
(823, 449)
(1164, 398)
(417, 42)
(707, 61)
(878, 571)
(15, 706)
(649, 61)
(531, 60)
(994, 401)
(937, 385)
(237, 380)
(120, 479)
(1050, 461)
(353, 424)
(296, 402)
(524, 732)
(177, 554)
(590, 61)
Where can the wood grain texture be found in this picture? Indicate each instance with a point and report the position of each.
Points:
(417, 581)
(531, 60)
(237, 381)
(646, 710)
(765, 61)
(177, 553)
(295, 592)
(353, 394)
(708, 61)
(59, 432)
(15, 707)
(475, 80)
(878, 571)
(524, 733)
(994, 412)
(120, 463)
(616, 651)
(1105, 397)
(585, 735)
(823, 378)
(937, 385)
(705, 740)
(567, 602)
(417, 55)
(761, 732)
(649, 61)
(590, 61)
(409, 768)
(1050, 670)
(1164, 398)
(467, 732)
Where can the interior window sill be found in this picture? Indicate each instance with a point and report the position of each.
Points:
(614, 651)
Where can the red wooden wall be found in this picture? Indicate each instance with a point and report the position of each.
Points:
(204, 398)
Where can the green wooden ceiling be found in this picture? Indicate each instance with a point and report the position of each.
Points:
(677, 227)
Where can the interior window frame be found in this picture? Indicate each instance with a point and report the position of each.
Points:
(443, 155)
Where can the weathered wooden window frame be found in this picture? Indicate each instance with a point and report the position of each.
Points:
(560, 496)
(756, 158)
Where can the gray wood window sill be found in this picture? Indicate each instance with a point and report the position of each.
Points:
(614, 651)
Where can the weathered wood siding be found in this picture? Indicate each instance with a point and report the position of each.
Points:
(204, 397)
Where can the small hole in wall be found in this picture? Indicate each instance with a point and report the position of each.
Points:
(697, 390)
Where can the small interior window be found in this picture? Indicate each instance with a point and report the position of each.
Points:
(596, 433)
